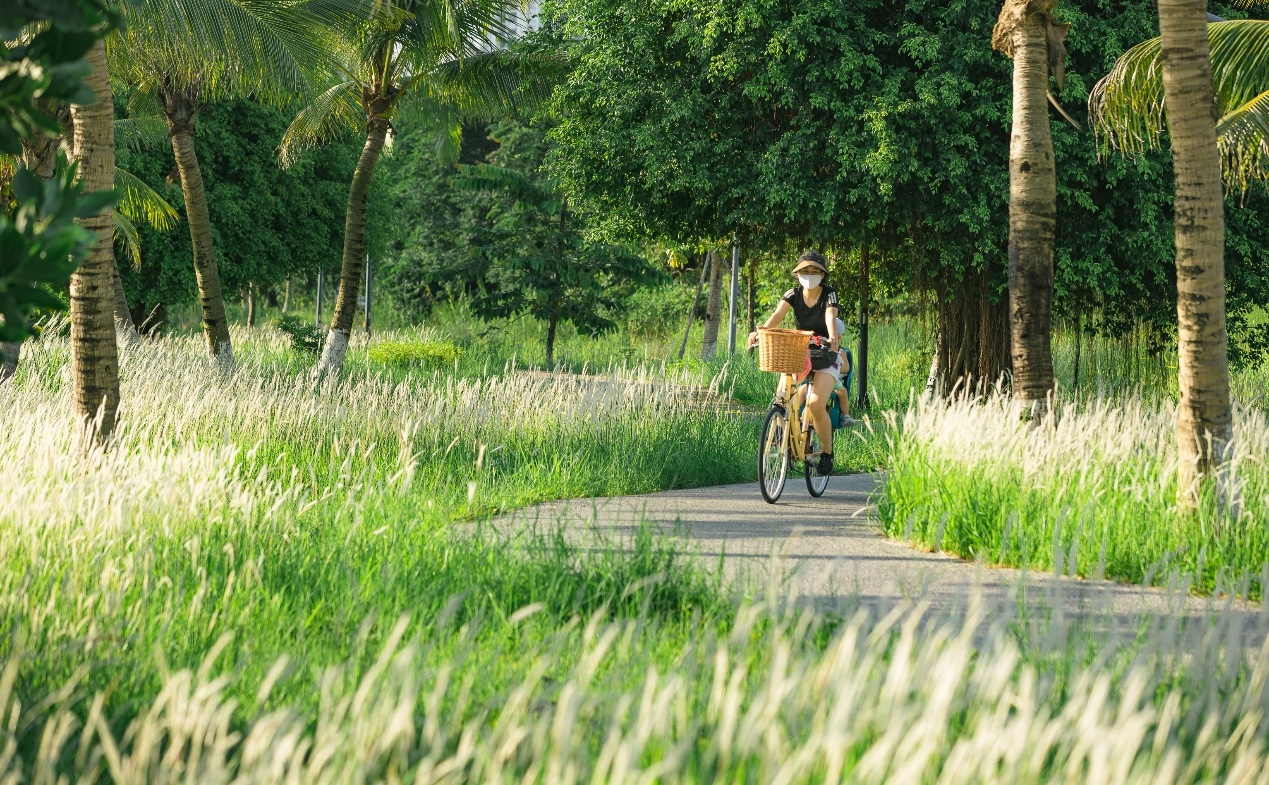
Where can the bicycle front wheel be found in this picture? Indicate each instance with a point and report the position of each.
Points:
(773, 455)
(816, 483)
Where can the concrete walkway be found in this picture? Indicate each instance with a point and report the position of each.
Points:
(830, 552)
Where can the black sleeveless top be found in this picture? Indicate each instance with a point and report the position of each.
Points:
(812, 317)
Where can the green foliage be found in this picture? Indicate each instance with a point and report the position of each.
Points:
(407, 353)
(539, 260)
(40, 244)
(268, 223)
(803, 122)
(305, 338)
(48, 68)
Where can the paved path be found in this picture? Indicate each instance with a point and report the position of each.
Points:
(829, 551)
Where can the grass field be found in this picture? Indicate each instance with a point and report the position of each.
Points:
(266, 578)
(764, 696)
(1092, 491)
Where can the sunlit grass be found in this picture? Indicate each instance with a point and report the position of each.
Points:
(773, 696)
(1090, 490)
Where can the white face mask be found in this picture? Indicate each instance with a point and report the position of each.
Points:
(810, 281)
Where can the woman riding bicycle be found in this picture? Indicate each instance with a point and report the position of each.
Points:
(814, 307)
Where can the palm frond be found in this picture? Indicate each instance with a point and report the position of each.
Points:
(490, 83)
(334, 112)
(142, 101)
(1240, 61)
(141, 133)
(1243, 136)
(125, 233)
(421, 113)
(1127, 106)
(267, 49)
(140, 202)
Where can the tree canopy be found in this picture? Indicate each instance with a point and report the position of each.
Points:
(811, 123)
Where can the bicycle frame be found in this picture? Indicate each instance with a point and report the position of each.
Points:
(796, 432)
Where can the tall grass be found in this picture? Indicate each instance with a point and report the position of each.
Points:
(775, 697)
(1091, 489)
(302, 518)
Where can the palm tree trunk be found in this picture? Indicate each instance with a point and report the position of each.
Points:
(94, 355)
(354, 248)
(40, 156)
(713, 308)
(210, 298)
(180, 109)
(1204, 424)
(1021, 33)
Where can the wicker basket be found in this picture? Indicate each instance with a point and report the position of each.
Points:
(783, 351)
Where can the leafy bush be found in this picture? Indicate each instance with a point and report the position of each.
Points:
(305, 338)
(661, 311)
(405, 353)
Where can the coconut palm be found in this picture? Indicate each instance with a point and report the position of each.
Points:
(437, 58)
(94, 354)
(40, 156)
(138, 202)
(178, 55)
(1130, 119)
(1027, 32)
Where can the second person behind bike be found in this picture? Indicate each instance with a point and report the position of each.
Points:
(814, 306)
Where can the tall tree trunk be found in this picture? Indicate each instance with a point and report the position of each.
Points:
(180, 108)
(251, 305)
(40, 157)
(551, 324)
(94, 355)
(1205, 421)
(286, 299)
(1022, 33)
(713, 307)
(751, 299)
(354, 248)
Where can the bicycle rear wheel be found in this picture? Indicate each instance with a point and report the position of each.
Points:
(773, 454)
(816, 483)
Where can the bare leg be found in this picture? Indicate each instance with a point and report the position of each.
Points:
(843, 400)
(817, 406)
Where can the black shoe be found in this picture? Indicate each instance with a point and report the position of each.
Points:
(826, 464)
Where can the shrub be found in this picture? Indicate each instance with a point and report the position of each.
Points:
(405, 353)
(305, 338)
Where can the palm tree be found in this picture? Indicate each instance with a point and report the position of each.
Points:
(1205, 420)
(138, 202)
(438, 58)
(94, 355)
(178, 55)
(1027, 33)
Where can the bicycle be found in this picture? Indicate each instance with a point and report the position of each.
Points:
(785, 436)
